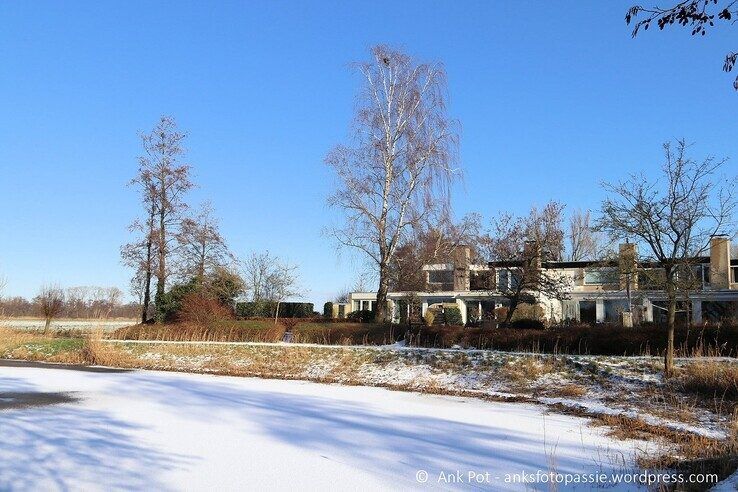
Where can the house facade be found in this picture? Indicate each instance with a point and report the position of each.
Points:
(596, 292)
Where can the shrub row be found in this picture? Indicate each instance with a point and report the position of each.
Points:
(267, 309)
(597, 340)
(584, 339)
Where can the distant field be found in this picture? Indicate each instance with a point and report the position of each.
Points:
(67, 324)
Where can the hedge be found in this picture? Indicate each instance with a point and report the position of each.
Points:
(328, 310)
(267, 309)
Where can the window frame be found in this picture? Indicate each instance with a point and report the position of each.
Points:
(613, 280)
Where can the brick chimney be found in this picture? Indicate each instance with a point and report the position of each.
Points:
(720, 262)
(462, 258)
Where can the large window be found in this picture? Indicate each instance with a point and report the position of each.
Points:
(702, 273)
(588, 312)
(651, 279)
(441, 280)
(601, 276)
(363, 305)
(614, 308)
(503, 280)
(507, 280)
(440, 276)
(481, 280)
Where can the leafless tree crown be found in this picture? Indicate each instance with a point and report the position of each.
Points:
(398, 169)
(162, 181)
(50, 301)
(673, 218)
(519, 245)
(202, 248)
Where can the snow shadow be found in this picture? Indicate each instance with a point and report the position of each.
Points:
(50, 447)
(383, 441)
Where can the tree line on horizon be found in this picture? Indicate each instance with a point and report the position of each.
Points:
(81, 302)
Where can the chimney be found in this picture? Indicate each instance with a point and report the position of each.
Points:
(462, 258)
(720, 261)
(628, 263)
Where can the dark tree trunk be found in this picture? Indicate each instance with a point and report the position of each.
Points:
(511, 310)
(146, 298)
(161, 267)
(671, 321)
(380, 307)
(669, 356)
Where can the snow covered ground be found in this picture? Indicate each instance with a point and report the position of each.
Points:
(154, 430)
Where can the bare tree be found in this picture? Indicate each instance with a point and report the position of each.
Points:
(141, 256)
(256, 271)
(699, 15)
(202, 249)
(167, 180)
(343, 295)
(518, 246)
(76, 301)
(111, 300)
(585, 243)
(430, 244)
(673, 216)
(50, 301)
(284, 285)
(399, 168)
(269, 279)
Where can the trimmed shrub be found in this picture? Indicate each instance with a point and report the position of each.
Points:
(328, 310)
(362, 316)
(267, 309)
(453, 316)
(347, 333)
(527, 311)
(169, 305)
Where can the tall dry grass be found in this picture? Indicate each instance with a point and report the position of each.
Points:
(226, 331)
(710, 379)
(95, 352)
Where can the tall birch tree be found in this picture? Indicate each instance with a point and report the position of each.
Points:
(397, 170)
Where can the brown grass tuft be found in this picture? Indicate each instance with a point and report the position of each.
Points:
(528, 369)
(95, 352)
(711, 380)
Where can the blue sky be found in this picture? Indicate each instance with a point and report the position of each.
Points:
(552, 99)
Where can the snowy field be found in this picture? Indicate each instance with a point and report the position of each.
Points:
(67, 324)
(149, 430)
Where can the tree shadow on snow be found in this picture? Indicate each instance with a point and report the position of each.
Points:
(66, 446)
(382, 441)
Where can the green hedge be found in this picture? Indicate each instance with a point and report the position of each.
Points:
(267, 309)
(453, 316)
(328, 310)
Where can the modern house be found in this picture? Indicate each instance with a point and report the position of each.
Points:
(597, 292)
